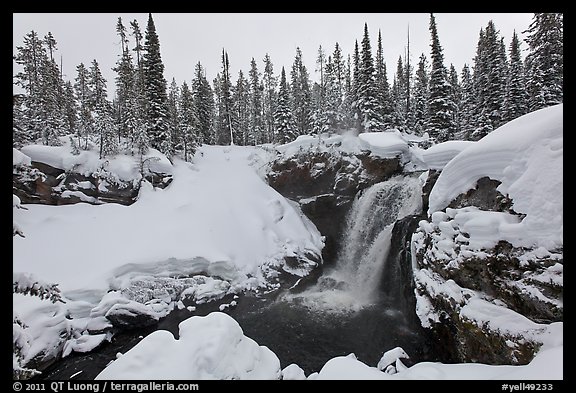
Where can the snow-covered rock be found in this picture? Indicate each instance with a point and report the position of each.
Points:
(526, 156)
(210, 347)
(293, 372)
(488, 260)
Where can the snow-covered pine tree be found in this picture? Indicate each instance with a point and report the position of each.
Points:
(348, 105)
(355, 86)
(85, 124)
(301, 96)
(490, 81)
(367, 102)
(420, 96)
(455, 95)
(545, 60)
(139, 98)
(467, 105)
(256, 121)
(175, 136)
(202, 107)
(399, 91)
(69, 107)
(269, 99)
(187, 122)
(440, 125)
(102, 111)
(515, 103)
(223, 90)
(30, 56)
(155, 90)
(125, 86)
(383, 87)
(339, 70)
(52, 92)
(241, 110)
(283, 119)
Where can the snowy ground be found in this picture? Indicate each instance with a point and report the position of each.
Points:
(217, 218)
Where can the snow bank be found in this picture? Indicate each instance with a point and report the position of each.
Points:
(217, 211)
(210, 347)
(437, 156)
(87, 162)
(526, 155)
(19, 158)
(548, 364)
(386, 144)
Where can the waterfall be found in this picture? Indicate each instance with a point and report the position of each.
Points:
(354, 280)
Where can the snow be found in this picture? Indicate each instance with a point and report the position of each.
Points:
(526, 156)
(386, 144)
(19, 158)
(548, 364)
(390, 357)
(46, 325)
(293, 372)
(437, 156)
(217, 215)
(210, 347)
(122, 167)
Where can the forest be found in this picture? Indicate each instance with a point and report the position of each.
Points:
(266, 105)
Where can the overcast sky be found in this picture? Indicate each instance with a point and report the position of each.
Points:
(187, 38)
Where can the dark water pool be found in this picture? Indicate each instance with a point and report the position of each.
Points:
(294, 332)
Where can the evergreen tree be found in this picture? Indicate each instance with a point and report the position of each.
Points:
(52, 98)
(138, 102)
(202, 107)
(440, 124)
(515, 103)
(339, 70)
(187, 122)
(101, 111)
(85, 124)
(420, 96)
(354, 95)
(301, 96)
(466, 108)
(382, 86)
(241, 110)
(545, 60)
(69, 108)
(283, 120)
(256, 121)
(348, 102)
(125, 87)
(269, 99)
(399, 98)
(367, 101)
(175, 133)
(223, 90)
(155, 91)
(29, 118)
(455, 96)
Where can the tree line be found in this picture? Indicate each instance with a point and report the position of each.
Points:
(353, 92)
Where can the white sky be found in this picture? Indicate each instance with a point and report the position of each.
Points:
(186, 38)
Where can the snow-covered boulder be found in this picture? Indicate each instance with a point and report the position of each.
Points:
(210, 347)
(488, 261)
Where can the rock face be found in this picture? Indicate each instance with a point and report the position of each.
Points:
(44, 184)
(464, 297)
(325, 184)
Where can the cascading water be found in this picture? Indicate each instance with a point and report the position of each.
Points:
(354, 280)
